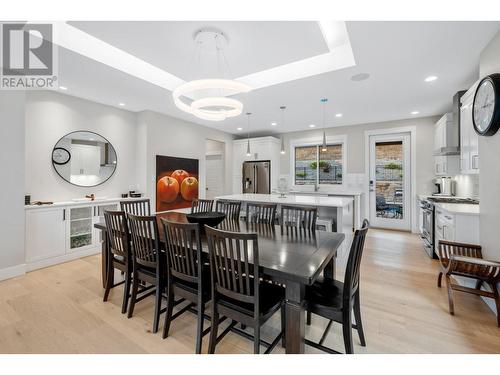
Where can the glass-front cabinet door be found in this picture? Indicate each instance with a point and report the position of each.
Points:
(99, 217)
(81, 231)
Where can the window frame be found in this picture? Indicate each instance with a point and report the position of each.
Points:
(330, 140)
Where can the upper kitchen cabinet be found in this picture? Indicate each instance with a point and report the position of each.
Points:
(469, 140)
(446, 159)
(262, 148)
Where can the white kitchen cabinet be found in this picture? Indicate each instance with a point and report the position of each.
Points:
(262, 148)
(450, 226)
(446, 137)
(469, 140)
(45, 233)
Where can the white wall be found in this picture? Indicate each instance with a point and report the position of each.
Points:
(12, 192)
(489, 170)
(356, 147)
(50, 116)
(164, 135)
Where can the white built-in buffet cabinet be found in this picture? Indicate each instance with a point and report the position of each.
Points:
(64, 231)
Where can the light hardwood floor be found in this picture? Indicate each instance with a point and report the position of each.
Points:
(60, 310)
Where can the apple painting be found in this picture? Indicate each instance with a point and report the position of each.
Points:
(189, 188)
(167, 189)
(180, 175)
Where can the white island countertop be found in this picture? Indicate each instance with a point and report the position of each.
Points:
(293, 199)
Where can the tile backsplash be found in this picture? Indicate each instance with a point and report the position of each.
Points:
(467, 186)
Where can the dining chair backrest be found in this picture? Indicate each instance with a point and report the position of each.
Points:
(351, 278)
(118, 233)
(299, 216)
(230, 208)
(184, 250)
(140, 207)
(260, 213)
(202, 205)
(234, 263)
(145, 240)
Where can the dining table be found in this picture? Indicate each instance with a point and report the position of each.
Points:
(292, 256)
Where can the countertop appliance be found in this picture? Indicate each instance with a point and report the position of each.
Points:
(257, 177)
(446, 186)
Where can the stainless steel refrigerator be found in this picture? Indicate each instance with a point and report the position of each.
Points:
(257, 177)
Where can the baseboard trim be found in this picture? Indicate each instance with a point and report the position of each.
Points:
(14, 271)
(61, 259)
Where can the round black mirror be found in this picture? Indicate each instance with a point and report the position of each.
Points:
(84, 158)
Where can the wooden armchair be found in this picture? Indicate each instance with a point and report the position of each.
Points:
(466, 260)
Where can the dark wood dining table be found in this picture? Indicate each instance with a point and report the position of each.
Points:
(291, 256)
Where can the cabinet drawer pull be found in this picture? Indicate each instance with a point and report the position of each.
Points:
(64, 214)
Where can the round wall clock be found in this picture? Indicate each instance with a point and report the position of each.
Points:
(60, 156)
(486, 107)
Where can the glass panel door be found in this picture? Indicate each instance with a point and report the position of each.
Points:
(390, 181)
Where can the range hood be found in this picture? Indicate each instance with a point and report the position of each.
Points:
(451, 131)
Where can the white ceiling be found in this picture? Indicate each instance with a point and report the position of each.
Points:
(397, 55)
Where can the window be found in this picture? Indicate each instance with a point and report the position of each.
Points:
(312, 165)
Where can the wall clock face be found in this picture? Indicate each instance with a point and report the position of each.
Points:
(60, 156)
(486, 107)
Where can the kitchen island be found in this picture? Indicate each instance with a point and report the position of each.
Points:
(338, 208)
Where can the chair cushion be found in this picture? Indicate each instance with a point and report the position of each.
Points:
(271, 297)
(325, 292)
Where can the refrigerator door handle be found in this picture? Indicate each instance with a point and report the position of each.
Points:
(255, 181)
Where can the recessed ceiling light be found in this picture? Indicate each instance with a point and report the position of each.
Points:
(312, 126)
(64, 88)
(121, 104)
(338, 115)
(360, 77)
(431, 78)
(239, 129)
(274, 123)
(415, 112)
(91, 139)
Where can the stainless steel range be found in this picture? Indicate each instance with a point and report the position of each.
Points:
(428, 218)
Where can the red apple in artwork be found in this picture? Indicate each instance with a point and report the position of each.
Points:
(168, 189)
(180, 175)
(189, 188)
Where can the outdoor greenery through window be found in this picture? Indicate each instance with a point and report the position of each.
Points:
(314, 165)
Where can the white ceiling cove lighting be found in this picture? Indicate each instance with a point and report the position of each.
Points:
(415, 112)
(209, 97)
(431, 79)
(312, 126)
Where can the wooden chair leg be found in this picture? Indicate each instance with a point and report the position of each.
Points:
(497, 302)
(440, 276)
(213, 329)
(450, 295)
(110, 275)
(283, 325)
(347, 330)
(126, 292)
(168, 313)
(256, 339)
(159, 291)
(133, 297)
(199, 333)
(357, 316)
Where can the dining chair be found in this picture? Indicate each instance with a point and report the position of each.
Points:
(230, 208)
(466, 260)
(303, 217)
(119, 254)
(187, 274)
(335, 300)
(202, 205)
(139, 207)
(260, 213)
(237, 291)
(148, 262)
